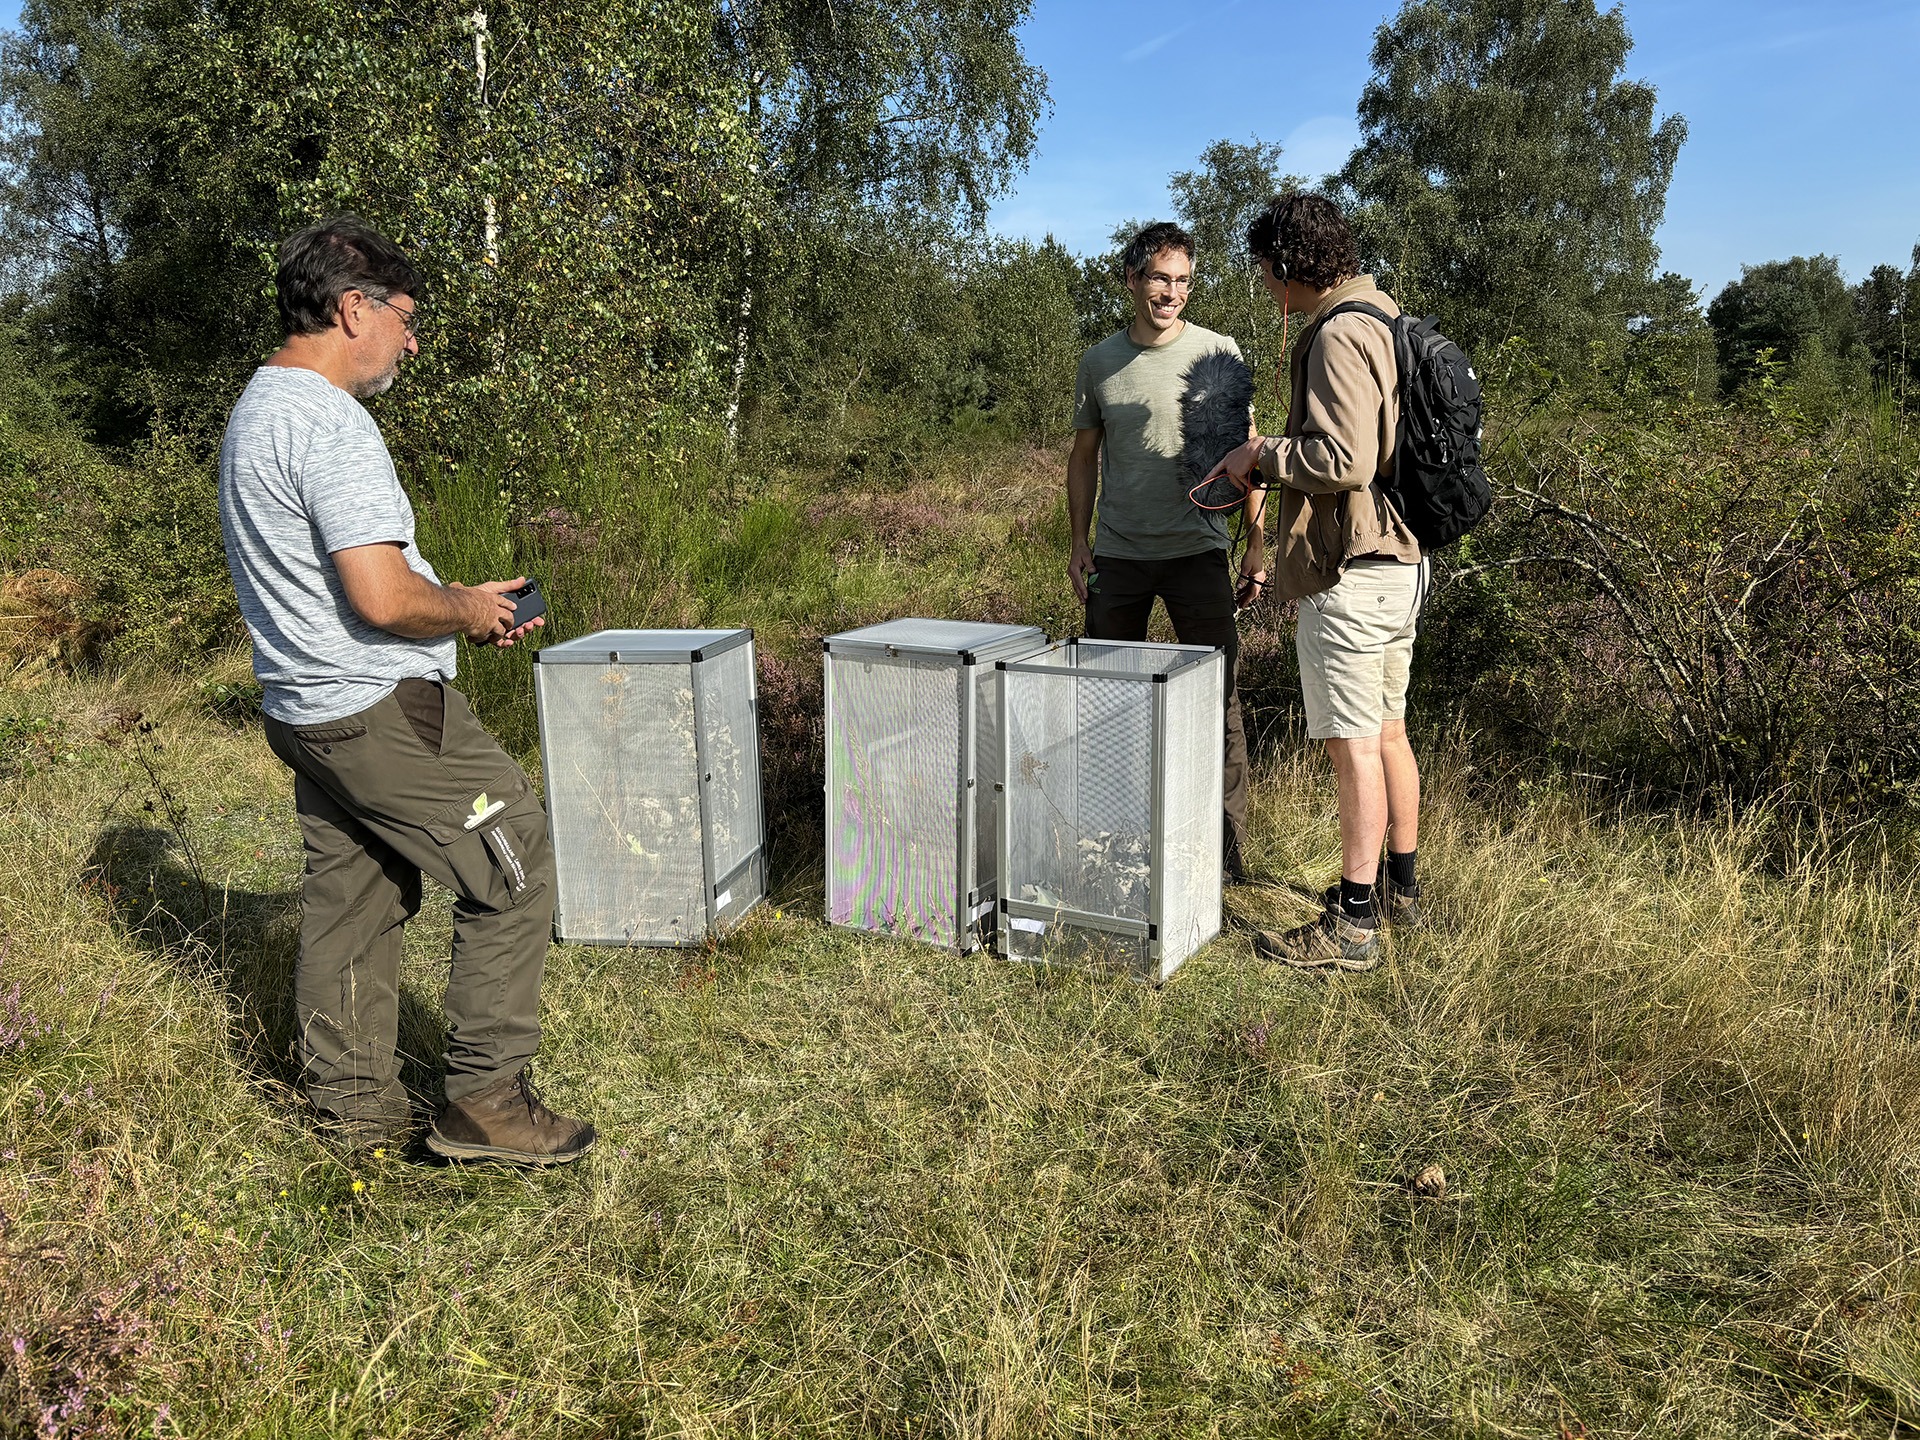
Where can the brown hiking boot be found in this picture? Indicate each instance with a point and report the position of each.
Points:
(1400, 908)
(1332, 942)
(1233, 865)
(507, 1121)
(365, 1123)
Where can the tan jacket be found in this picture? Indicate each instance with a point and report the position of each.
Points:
(1338, 444)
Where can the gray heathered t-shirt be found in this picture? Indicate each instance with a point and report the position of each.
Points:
(1132, 392)
(303, 473)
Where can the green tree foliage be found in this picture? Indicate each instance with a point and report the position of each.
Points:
(596, 192)
(84, 170)
(903, 325)
(165, 147)
(929, 105)
(883, 128)
(1800, 313)
(1886, 305)
(1669, 347)
(1508, 178)
(1025, 296)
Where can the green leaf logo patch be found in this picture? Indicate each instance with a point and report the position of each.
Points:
(484, 810)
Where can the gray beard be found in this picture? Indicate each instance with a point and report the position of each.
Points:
(379, 385)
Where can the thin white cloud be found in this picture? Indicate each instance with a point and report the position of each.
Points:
(1319, 146)
(1160, 42)
(1717, 57)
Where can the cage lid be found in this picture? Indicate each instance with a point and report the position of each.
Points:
(1115, 659)
(957, 638)
(642, 647)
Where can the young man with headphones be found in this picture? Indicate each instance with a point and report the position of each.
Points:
(1347, 556)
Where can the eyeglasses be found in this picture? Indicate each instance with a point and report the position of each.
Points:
(408, 318)
(1167, 282)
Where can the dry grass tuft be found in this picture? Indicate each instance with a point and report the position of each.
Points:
(44, 624)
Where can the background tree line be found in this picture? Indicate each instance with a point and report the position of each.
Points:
(748, 235)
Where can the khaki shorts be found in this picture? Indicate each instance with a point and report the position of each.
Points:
(1355, 644)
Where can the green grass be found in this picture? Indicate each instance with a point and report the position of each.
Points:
(851, 1187)
(861, 1188)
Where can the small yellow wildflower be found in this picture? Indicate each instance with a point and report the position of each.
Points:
(358, 1186)
(283, 1194)
(379, 1154)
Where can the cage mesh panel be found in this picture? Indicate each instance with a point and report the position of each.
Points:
(1056, 944)
(893, 779)
(1079, 815)
(988, 763)
(1079, 788)
(740, 894)
(623, 800)
(733, 756)
(1134, 659)
(1191, 817)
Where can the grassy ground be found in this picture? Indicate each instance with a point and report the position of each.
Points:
(860, 1188)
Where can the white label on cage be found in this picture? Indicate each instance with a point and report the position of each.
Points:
(984, 907)
(723, 899)
(1032, 927)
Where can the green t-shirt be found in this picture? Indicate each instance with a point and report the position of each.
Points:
(1132, 393)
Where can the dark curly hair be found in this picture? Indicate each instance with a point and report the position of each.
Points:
(1307, 237)
(322, 262)
(1161, 235)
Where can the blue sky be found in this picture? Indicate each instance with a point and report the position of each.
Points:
(1801, 137)
(1798, 142)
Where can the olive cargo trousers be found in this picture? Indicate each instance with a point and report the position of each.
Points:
(1198, 593)
(413, 784)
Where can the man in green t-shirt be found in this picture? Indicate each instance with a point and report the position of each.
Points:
(1153, 540)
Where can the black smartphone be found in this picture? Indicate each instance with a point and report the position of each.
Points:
(528, 603)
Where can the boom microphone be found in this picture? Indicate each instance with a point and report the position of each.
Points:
(1215, 408)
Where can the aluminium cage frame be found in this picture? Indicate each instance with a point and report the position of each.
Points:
(972, 905)
(1151, 929)
(713, 886)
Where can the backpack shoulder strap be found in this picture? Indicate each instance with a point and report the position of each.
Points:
(1402, 356)
(1362, 307)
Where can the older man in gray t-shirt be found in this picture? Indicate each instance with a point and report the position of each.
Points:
(304, 475)
(353, 641)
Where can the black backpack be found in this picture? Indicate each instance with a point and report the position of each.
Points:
(1438, 484)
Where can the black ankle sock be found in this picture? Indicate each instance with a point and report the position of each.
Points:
(1400, 869)
(1356, 902)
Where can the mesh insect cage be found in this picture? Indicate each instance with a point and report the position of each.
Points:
(1110, 824)
(913, 752)
(651, 748)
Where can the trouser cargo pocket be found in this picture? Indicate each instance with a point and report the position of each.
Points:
(496, 842)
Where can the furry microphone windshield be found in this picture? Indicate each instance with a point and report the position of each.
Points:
(1214, 414)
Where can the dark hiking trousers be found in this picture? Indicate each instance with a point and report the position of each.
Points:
(413, 784)
(1198, 593)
